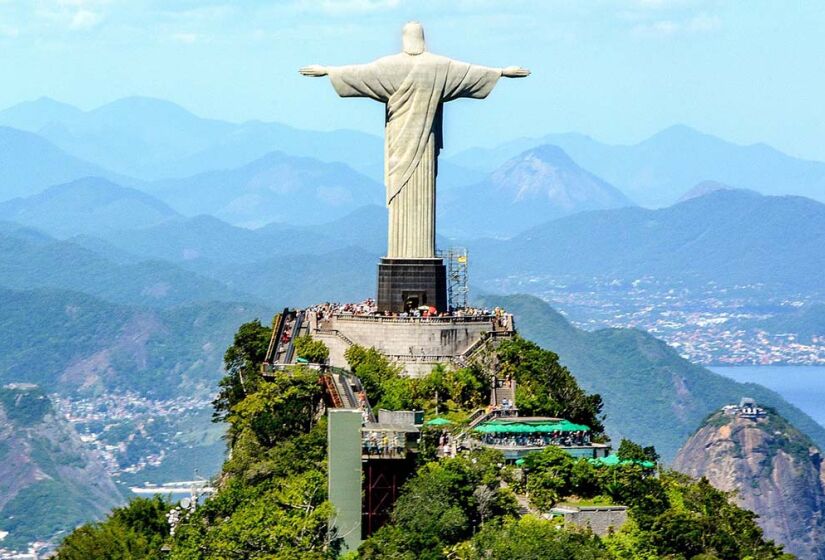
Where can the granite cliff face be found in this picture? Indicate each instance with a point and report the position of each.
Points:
(775, 469)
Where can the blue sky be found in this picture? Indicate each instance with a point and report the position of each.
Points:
(748, 71)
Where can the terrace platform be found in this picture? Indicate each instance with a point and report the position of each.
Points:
(416, 343)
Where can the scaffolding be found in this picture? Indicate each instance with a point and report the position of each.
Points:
(457, 277)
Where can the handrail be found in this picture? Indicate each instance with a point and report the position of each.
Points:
(277, 329)
(383, 319)
(332, 390)
(290, 350)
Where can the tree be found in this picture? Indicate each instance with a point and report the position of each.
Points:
(441, 506)
(133, 532)
(242, 362)
(373, 369)
(545, 387)
(530, 538)
(282, 408)
(314, 351)
(284, 518)
(630, 451)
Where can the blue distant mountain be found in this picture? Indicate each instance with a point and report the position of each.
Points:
(29, 163)
(277, 187)
(152, 139)
(731, 237)
(87, 206)
(657, 171)
(28, 262)
(532, 188)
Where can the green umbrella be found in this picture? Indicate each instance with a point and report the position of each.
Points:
(438, 421)
(613, 460)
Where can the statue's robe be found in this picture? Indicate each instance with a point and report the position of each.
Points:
(413, 87)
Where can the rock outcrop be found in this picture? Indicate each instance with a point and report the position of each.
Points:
(775, 470)
(49, 482)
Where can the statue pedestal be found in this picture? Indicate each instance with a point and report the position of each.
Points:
(405, 284)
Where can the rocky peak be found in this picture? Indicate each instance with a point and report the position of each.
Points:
(774, 468)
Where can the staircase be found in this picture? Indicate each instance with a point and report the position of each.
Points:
(500, 394)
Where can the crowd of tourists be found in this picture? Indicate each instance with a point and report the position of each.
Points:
(561, 439)
(368, 307)
(383, 444)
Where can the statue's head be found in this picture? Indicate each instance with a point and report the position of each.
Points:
(412, 38)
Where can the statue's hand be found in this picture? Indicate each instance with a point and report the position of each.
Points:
(515, 72)
(314, 70)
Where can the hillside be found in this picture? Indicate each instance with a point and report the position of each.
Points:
(29, 163)
(131, 135)
(656, 171)
(807, 323)
(74, 342)
(277, 187)
(48, 481)
(775, 469)
(28, 262)
(153, 138)
(728, 237)
(535, 186)
(87, 206)
(651, 394)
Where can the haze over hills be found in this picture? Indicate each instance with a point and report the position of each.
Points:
(276, 187)
(28, 164)
(656, 171)
(532, 188)
(152, 138)
(87, 206)
(728, 237)
(27, 262)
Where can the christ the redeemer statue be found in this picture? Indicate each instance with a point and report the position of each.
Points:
(414, 85)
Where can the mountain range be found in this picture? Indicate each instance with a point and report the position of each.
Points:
(30, 260)
(91, 205)
(29, 164)
(276, 187)
(656, 171)
(532, 188)
(730, 237)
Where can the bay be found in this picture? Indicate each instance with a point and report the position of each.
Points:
(803, 386)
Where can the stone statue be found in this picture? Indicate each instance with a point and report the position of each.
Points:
(413, 84)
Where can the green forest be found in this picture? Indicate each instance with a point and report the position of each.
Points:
(272, 502)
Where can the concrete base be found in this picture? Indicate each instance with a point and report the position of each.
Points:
(417, 344)
(409, 283)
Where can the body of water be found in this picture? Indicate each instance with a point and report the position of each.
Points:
(803, 386)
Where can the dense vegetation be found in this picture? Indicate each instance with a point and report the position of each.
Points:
(650, 393)
(47, 332)
(272, 499)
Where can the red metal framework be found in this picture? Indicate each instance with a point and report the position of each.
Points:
(381, 482)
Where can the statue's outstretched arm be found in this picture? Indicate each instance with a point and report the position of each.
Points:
(515, 72)
(313, 70)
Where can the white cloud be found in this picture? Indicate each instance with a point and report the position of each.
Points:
(345, 7)
(185, 38)
(698, 24)
(85, 19)
(704, 23)
(9, 31)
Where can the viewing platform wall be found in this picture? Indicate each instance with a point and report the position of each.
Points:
(417, 343)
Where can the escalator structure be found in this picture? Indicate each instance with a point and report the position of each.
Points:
(344, 390)
(281, 350)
